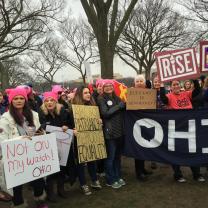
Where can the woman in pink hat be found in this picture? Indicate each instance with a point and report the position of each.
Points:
(52, 113)
(111, 110)
(20, 121)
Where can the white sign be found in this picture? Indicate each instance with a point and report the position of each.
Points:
(64, 140)
(27, 160)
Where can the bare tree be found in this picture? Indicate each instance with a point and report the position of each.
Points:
(47, 61)
(152, 27)
(23, 23)
(77, 44)
(102, 16)
(197, 14)
(14, 73)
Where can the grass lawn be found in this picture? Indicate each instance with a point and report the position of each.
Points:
(160, 191)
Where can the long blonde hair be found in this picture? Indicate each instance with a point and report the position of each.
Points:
(57, 109)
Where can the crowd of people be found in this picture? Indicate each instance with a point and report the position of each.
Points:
(23, 112)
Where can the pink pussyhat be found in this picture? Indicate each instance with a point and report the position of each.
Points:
(57, 88)
(107, 81)
(15, 92)
(99, 82)
(50, 95)
(26, 88)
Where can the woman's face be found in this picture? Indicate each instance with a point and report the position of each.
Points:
(140, 83)
(187, 86)
(1, 97)
(108, 88)
(50, 104)
(156, 83)
(99, 89)
(86, 94)
(18, 102)
(175, 87)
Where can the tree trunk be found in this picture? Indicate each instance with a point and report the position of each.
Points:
(147, 73)
(106, 61)
(4, 77)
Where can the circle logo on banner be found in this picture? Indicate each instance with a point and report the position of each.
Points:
(148, 142)
(109, 103)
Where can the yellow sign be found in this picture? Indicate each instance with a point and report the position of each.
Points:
(90, 139)
(138, 98)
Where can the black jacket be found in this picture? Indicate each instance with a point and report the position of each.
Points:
(111, 111)
(60, 119)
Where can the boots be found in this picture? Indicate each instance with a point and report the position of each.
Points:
(40, 201)
(60, 188)
(50, 191)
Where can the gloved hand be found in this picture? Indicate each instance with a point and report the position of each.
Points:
(122, 105)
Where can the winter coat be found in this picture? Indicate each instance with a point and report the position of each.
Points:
(9, 126)
(10, 131)
(111, 111)
(62, 118)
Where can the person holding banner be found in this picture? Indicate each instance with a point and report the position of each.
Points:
(83, 97)
(21, 121)
(111, 110)
(95, 95)
(52, 113)
(141, 172)
(178, 99)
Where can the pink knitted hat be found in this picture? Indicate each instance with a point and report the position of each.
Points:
(15, 92)
(107, 81)
(57, 88)
(99, 82)
(50, 95)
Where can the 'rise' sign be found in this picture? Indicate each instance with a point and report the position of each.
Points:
(177, 64)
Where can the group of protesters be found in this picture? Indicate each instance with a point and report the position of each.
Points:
(23, 112)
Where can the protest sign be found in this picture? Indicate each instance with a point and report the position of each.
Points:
(90, 140)
(177, 64)
(64, 140)
(167, 136)
(204, 56)
(138, 98)
(27, 160)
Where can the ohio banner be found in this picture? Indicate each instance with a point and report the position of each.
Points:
(167, 136)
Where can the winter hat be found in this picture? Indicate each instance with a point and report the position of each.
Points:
(57, 88)
(15, 92)
(99, 82)
(50, 95)
(107, 81)
(26, 88)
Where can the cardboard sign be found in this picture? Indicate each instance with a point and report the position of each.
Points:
(204, 56)
(64, 140)
(27, 160)
(177, 65)
(138, 98)
(90, 139)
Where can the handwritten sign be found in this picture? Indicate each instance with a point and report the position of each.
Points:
(138, 98)
(204, 56)
(27, 160)
(177, 64)
(64, 140)
(90, 140)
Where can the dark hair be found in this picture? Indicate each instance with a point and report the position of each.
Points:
(78, 97)
(19, 118)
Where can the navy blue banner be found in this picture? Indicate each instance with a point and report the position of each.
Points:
(167, 136)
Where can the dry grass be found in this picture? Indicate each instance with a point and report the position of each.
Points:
(161, 191)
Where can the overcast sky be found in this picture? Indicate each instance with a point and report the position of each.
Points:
(119, 66)
(71, 74)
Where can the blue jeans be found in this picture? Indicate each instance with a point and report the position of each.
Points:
(81, 172)
(113, 161)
